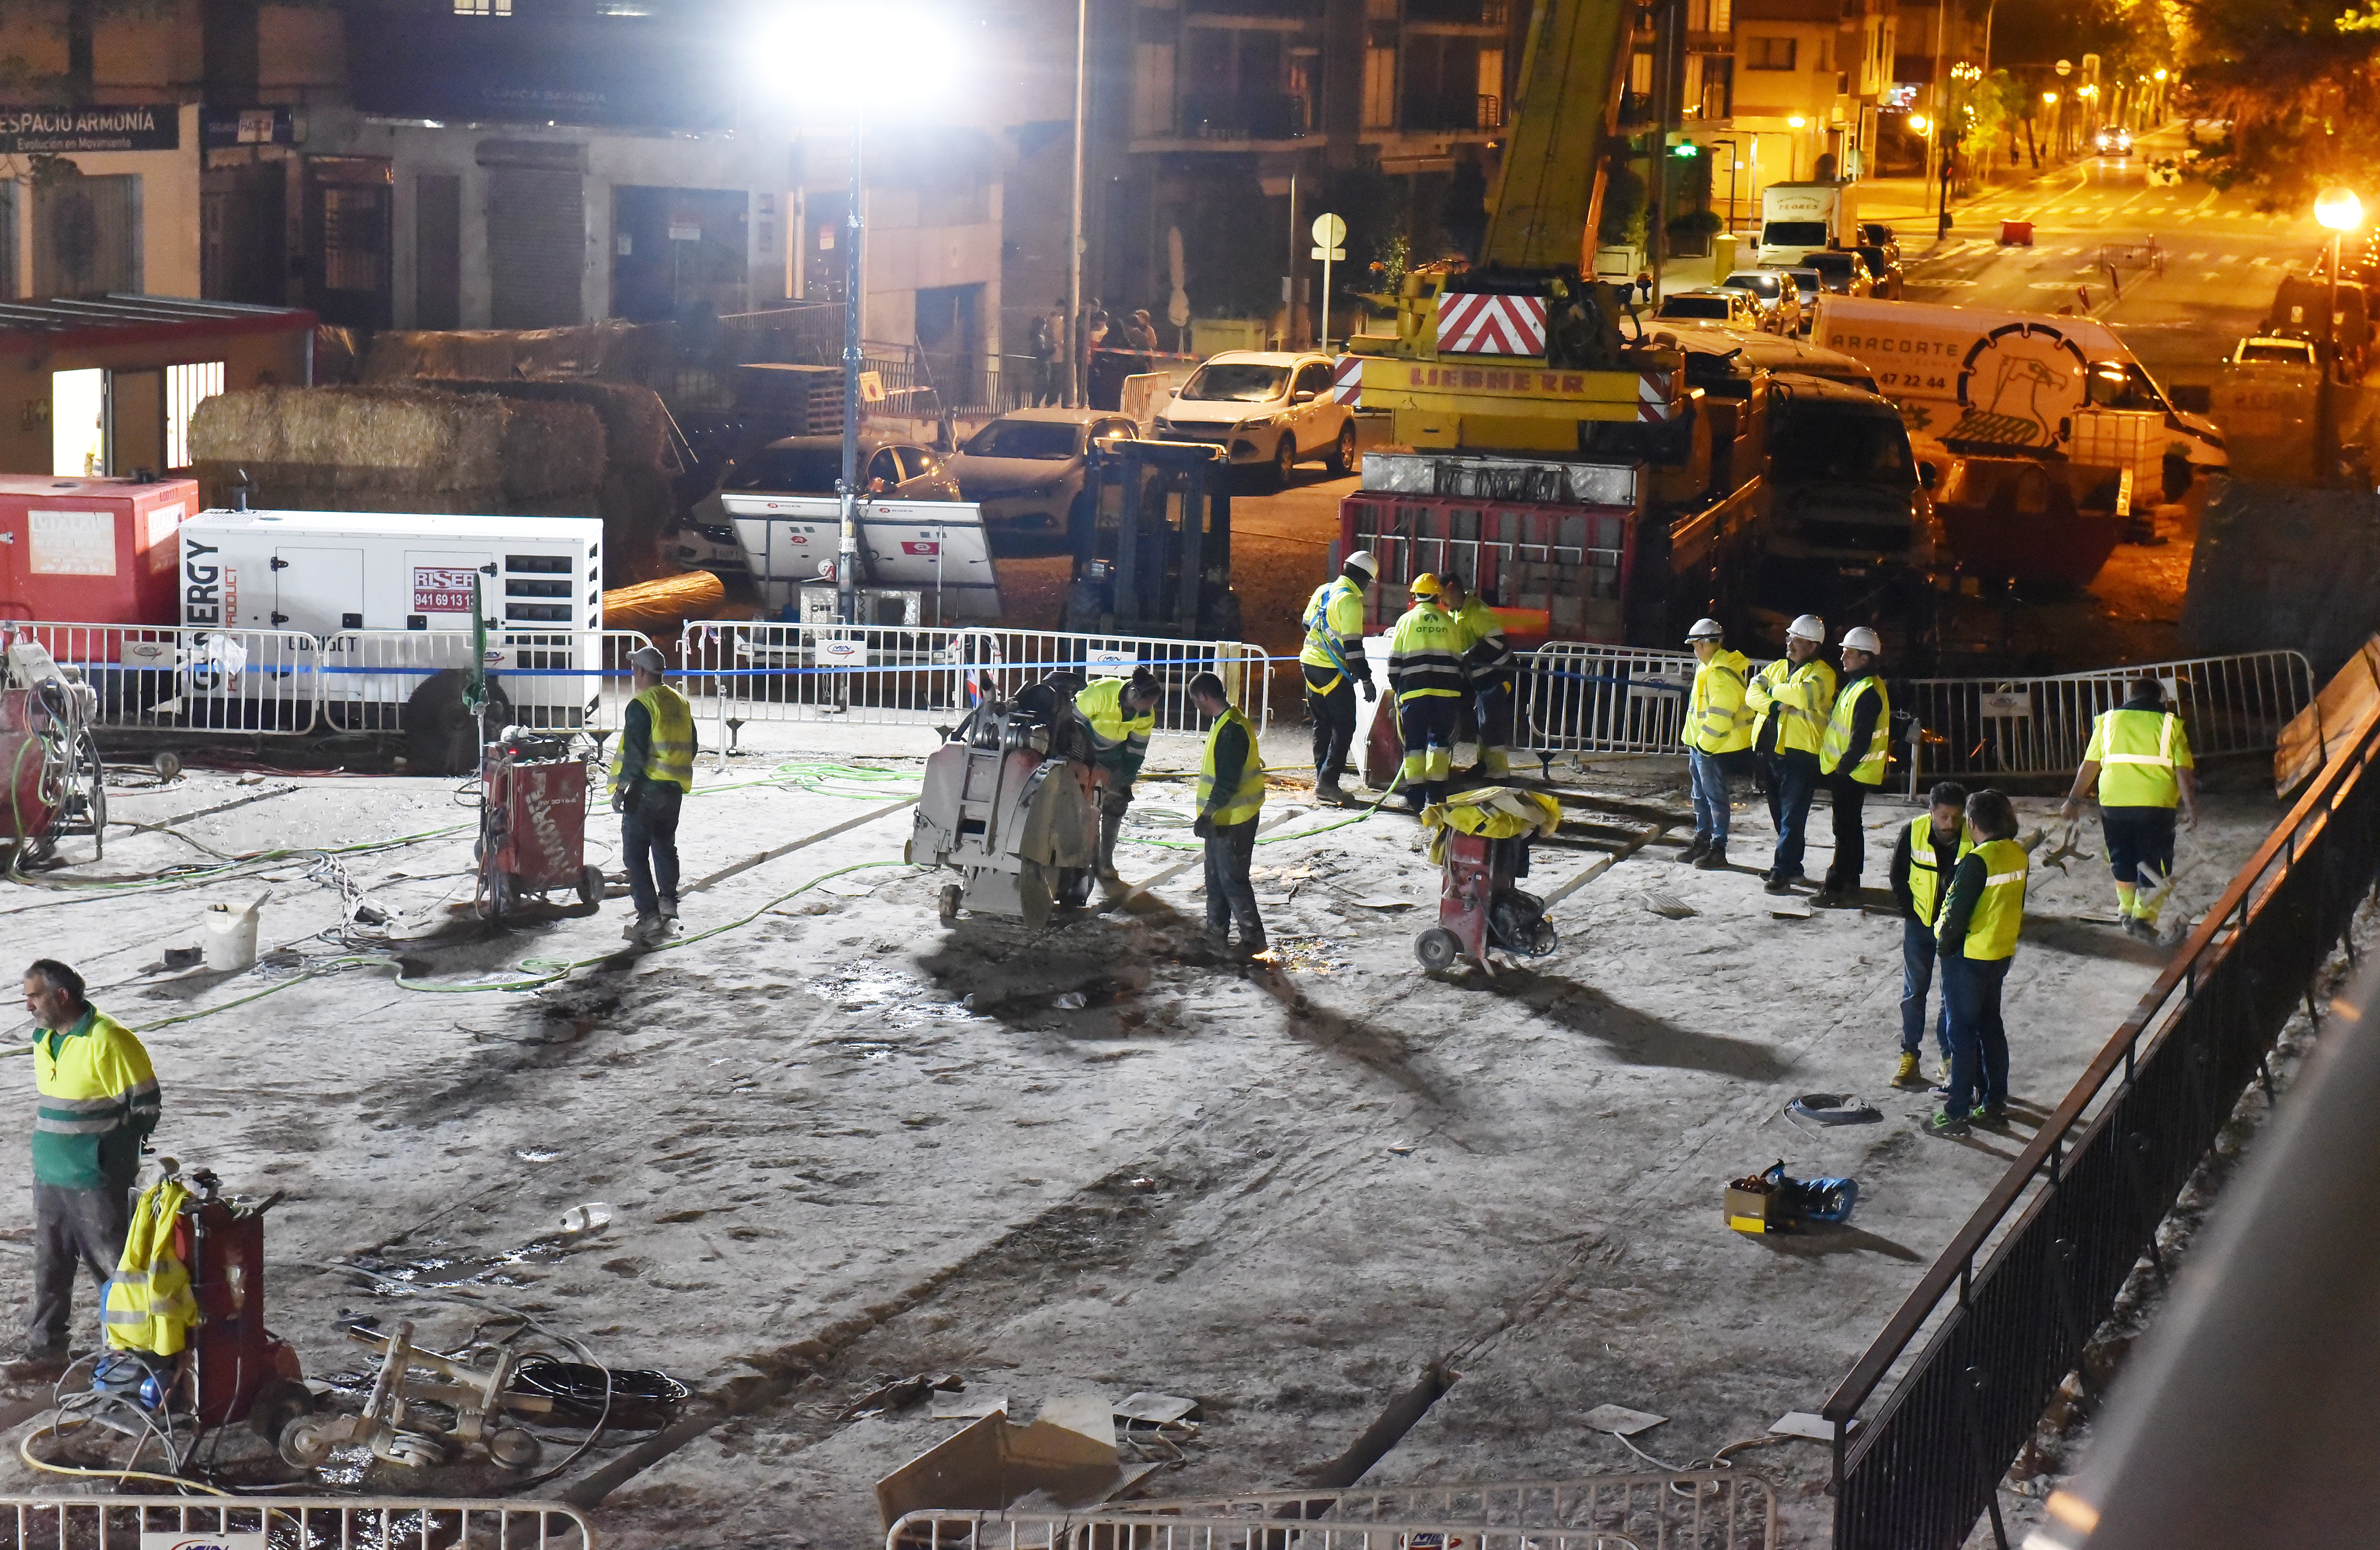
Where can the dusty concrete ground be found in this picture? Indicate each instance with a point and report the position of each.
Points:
(1281, 1191)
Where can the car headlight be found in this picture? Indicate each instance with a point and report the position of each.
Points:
(1256, 424)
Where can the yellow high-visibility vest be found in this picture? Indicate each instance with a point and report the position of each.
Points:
(672, 740)
(1796, 698)
(98, 1102)
(148, 1305)
(1999, 913)
(1717, 719)
(1425, 654)
(1334, 623)
(1119, 738)
(1869, 770)
(2139, 754)
(1927, 883)
(1248, 796)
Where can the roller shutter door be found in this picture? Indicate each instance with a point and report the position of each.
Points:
(537, 246)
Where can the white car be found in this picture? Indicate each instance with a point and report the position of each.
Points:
(1778, 300)
(1264, 406)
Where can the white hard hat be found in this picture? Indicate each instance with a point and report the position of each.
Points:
(1859, 638)
(1809, 627)
(1361, 561)
(1705, 629)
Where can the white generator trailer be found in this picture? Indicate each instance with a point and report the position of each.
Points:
(382, 602)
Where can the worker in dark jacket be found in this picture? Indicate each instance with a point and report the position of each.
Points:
(1231, 795)
(651, 772)
(97, 1103)
(1851, 760)
(1981, 922)
(1927, 853)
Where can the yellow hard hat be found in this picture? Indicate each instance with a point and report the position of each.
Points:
(1423, 586)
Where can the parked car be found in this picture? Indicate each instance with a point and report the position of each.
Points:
(1025, 468)
(803, 466)
(1725, 306)
(1776, 298)
(2112, 141)
(1844, 273)
(1807, 284)
(1876, 234)
(1264, 406)
(1884, 271)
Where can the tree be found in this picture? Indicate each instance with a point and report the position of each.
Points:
(2297, 79)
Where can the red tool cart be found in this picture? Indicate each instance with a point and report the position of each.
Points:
(532, 823)
(1482, 847)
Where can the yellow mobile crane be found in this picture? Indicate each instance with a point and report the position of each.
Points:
(1550, 451)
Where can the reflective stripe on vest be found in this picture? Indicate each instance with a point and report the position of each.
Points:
(1869, 770)
(1798, 701)
(1249, 796)
(1712, 727)
(147, 1304)
(1424, 655)
(671, 737)
(1925, 879)
(1998, 915)
(1486, 655)
(2129, 779)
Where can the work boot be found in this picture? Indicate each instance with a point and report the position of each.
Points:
(1251, 946)
(1777, 882)
(1946, 1124)
(1905, 1074)
(644, 929)
(1833, 898)
(1331, 793)
(669, 907)
(2135, 925)
(1992, 1116)
(1698, 848)
(1713, 859)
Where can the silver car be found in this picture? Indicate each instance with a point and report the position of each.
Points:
(1778, 299)
(1025, 468)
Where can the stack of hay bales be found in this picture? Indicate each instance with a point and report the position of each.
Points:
(634, 496)
(398, 450)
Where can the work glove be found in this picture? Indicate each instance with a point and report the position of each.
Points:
(620, 800)
(1204, 827)
(1370, 694)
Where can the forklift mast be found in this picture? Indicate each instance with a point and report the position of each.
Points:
(1547, 202)
(1152, 542)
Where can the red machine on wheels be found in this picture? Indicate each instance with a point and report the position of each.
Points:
(49, 756)
(1482, 846)
(532, 823)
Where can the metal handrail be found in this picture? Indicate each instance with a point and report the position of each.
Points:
(2214, 936)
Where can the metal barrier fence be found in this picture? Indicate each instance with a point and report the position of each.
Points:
(2000, 1318)
(2039, 726)
(153, 678)
(924, 675)
(1586, 698)
(551, 681)
(1692, 1509)
(287, 1523)
(1125, 1531)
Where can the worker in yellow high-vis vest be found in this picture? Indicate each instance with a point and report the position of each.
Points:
(1851, 760)
(1981, 921)
(2139, 761)
(1717, 735)
(1231, 797)
(1115, 718)
(1332, 662)
(1924, 859)
(1425, 676)
(1492, 670)
(97, 1102)
(652, 769)
(1792, 697)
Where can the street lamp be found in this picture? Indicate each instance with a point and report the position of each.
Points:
(2339, 211)
(843, 49)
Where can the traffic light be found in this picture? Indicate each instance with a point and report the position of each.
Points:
(1686, 151)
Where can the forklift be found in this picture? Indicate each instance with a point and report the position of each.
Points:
(1152, 543)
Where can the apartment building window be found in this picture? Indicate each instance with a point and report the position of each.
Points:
(1709, 16)
(1769, 53)
(1380, 88)
(483, 8)
(1718, 86)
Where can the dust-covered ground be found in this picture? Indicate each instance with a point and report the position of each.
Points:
(842, 1141)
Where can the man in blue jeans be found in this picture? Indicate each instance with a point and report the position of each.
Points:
(1929, 850)
(652, 770)
(1792, 697)
(1981, 921)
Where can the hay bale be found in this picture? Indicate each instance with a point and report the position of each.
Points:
(394, 449)
(635, 500)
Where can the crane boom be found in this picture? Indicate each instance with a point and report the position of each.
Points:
(1548, 197)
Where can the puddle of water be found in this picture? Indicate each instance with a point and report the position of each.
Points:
(900, 999)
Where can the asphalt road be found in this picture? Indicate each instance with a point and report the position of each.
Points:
(2224, 260)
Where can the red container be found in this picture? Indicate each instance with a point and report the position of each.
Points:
(94, 551)
(2016, 234)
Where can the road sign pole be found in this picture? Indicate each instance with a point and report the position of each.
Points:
(1330, 231)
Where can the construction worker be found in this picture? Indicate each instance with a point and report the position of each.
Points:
(1334, 663)
(1231, 795)
(2139, 758)
(1116, 717)
(1929, 850)
(1981, 921)
(1490, 667)
(1851, 760)
(1718, 732)
(98, 1103)
(1793, 697)
(651, 772)
(1426, 674)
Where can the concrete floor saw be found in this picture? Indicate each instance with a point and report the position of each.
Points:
(1012, 802)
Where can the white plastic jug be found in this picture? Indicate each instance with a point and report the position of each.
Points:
(230, 936)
